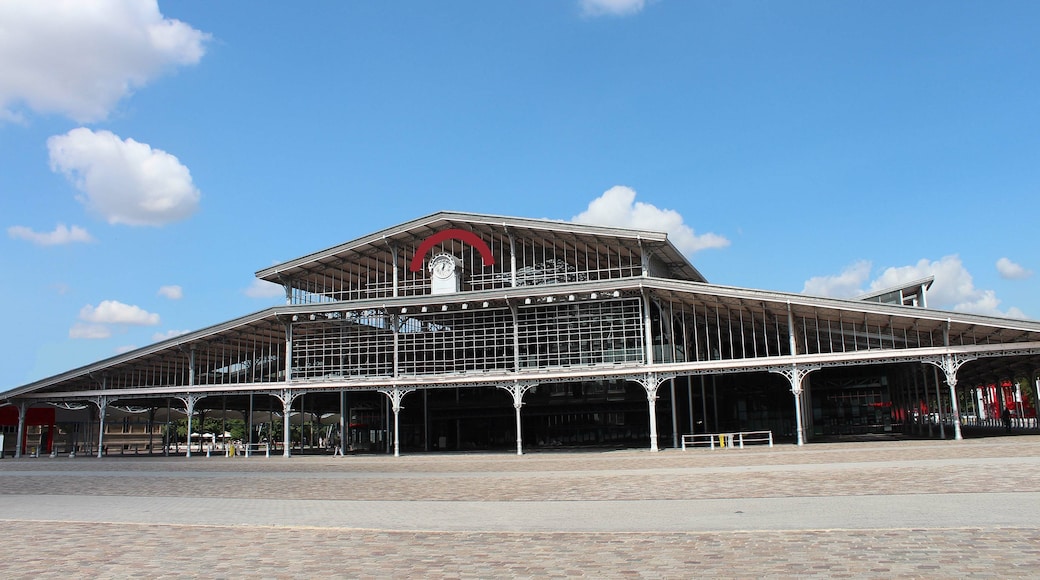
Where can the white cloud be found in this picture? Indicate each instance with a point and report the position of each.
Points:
(114, 312)
(89, 331)
(611, 7)
(953, 288)
(1012, 271)
(60, 236)
(79, 59)
(844, 285)
(617, 207)
(124, 181)
(264, 289)
(171, 292)
(125, 348)
(160, 336)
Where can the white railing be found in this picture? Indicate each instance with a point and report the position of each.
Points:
(723, 440)
(248, 448)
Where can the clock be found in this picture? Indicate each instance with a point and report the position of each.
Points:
(442, 266)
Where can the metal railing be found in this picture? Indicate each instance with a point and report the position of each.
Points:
(722, 440)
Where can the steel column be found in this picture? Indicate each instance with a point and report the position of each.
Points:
(518, 390)
(249, 428)
(189, 401)
(19, 447)
(796, 375)
(286, 397)
(344, 423)
(938, 405)
(949, 364)
(395, 395)
(288, 352)
(102, 404)
(651, 382)
(675, 417)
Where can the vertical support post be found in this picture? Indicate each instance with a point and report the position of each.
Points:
(396, 404)
(1036, 402)
(644, 259)
(715, 402)
(516, 336)
(519, 429)
(796, 389)
(704, 404)
(950, 369)
(648, 339)
(512, 258)
(249, 428)
(151, 430)
(223, 423)
(651, 398)
(955, 409)
(689, 398)
(344, 422)
(651, 382)
(169, 411)
(287, 399)
(980, 406)
(395, 323)
(288, 352)
(917, 402)
(790, 330)
(950, 364)
(1021, 405)
(387, 428)
(191, 366)
(426, 419)
(798, 413)
(938, 405)
(951, 379)
(189, 408)
(393, 257)
(102, 403)
(395, 395)
(796, 376)
(675, 416)
(518, 390)
(19, 446)
(807, 405)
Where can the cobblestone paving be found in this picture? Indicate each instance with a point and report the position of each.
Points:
(39, 549)
(140, 551)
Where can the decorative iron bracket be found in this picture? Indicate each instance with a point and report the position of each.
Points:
(795, 375)
(517, 389)
(396, 394)
(949, 364)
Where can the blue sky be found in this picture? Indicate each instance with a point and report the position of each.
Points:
(153, 157)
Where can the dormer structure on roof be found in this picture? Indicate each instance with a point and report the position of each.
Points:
(489, 253)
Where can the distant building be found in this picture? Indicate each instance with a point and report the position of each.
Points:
(464, 331)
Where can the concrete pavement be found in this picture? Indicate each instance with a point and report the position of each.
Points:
(878, 509)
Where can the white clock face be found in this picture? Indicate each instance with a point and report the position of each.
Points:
(442, 266)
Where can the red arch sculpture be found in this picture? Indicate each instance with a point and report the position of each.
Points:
(456, 234)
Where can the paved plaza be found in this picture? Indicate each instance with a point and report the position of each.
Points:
(878, 509)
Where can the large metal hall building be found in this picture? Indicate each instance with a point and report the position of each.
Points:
(462, 331)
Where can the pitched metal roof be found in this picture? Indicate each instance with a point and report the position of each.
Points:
(352, 253)
(269, 324)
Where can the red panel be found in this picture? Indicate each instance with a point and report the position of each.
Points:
(462, 235)
(33, 416)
